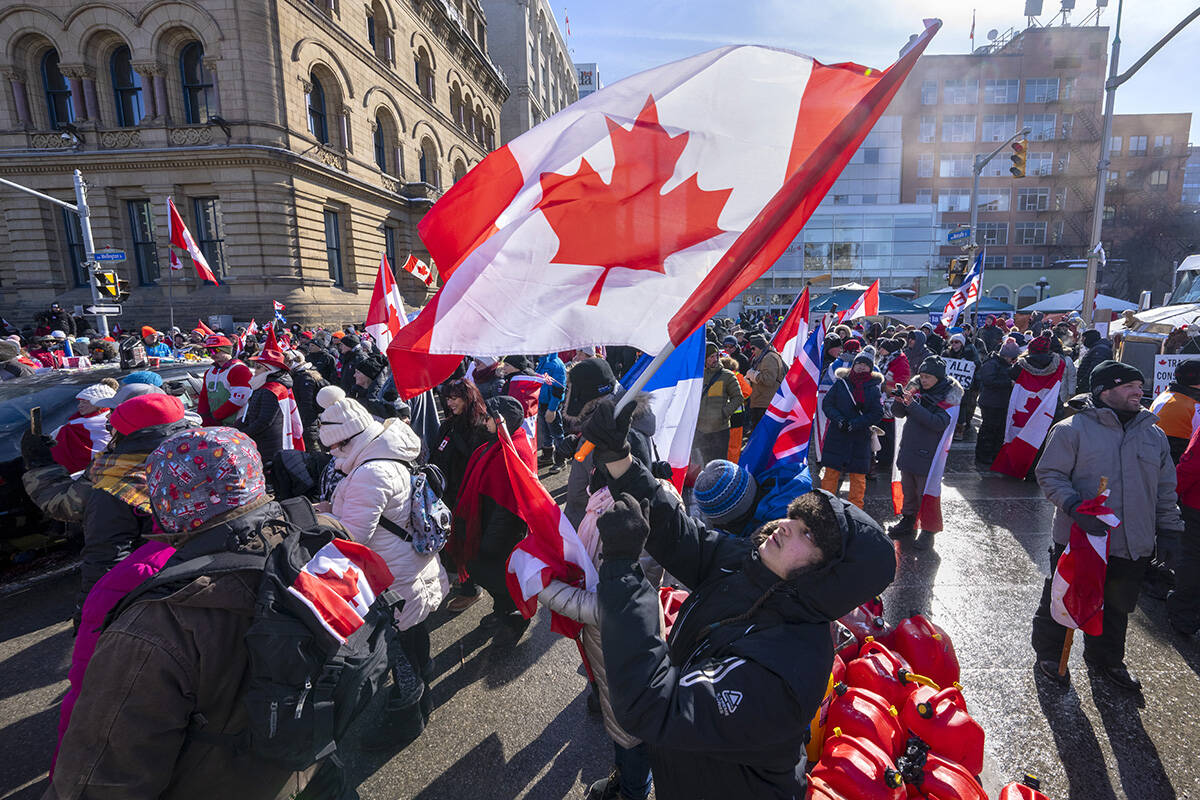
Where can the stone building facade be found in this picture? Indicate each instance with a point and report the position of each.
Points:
(530, 48)
(300, 140)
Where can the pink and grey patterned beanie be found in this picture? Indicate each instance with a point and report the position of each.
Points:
(201, 473)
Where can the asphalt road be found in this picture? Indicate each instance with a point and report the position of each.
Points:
(511, 722)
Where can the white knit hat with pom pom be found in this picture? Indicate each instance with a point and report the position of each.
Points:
(343, 417)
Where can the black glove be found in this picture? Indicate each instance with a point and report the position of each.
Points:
(610, 435)
(623, 529)
(843, 426)
(35, 450)
(1087, 523)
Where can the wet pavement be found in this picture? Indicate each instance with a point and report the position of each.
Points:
(512, 721)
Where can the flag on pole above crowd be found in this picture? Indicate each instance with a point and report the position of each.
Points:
(207, 331)
(793, 331)
(633, 215)
(279, 307)
(173, 259)
(179, 237)
(783, 433)
(675, 392)
(867, 305)
(966, 293)
(252, 328)
(418, 269)
(385, 315)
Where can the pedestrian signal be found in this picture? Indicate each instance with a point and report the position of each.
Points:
(1020, 152)
(957, 271)
(112, 286)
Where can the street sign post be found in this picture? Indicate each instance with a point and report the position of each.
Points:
(958, 235)
(111, 255)
(104, 310)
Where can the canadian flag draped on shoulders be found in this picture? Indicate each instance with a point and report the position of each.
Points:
(1030, 414)
(339, 584)
(633, 215)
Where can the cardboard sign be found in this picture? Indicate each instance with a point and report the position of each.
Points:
(962, 370)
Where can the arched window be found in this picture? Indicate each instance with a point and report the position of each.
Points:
(317, 124)
(1001, 293)
(197, 84)
(428, 164)
(424, 74)
(460, 170)
(385, 142)
(380, 147)
(58, 91)
(1027, 295)
(127, 87)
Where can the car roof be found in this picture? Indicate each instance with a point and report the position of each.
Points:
(19, 387)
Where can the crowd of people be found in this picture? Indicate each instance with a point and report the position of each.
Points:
(314, 413)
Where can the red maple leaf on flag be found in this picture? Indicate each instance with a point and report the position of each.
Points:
(344, 586)
(629, 222)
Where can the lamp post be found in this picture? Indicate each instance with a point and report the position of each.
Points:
(1042, 283)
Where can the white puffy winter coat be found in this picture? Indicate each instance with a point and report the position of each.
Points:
(382, 487)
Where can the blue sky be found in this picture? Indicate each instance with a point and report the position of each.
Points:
(627, 36)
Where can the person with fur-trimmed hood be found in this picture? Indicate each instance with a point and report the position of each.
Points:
(925, 405)
(853, 404)
(723, 703)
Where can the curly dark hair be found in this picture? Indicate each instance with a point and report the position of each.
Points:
(815, 510)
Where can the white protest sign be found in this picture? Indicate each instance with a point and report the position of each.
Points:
(962, 370)
(1164, 370)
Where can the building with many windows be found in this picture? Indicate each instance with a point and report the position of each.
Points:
(530, 48)
(300, 139)
(1049, 80)
(860, 231)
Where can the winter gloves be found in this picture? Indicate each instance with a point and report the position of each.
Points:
(35, 450)
(609, 434)
(1088, 523)
(623, 529)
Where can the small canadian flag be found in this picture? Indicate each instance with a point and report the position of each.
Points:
(417, 267)
(180, 237)
(385, 315)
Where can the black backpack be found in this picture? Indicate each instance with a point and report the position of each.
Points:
(305, 687)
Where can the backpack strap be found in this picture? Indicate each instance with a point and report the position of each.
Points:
(392, 527)
(175, 577)
(300, 512)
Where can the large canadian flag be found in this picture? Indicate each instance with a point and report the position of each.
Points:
(385, 315)
(633, 215)
(1030, 415)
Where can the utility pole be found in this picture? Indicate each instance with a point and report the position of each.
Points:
(1110, 92)
(973, 247)
(85, 224)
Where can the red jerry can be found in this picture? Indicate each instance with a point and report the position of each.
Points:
(940, 719)
(819, 790)
(816, 728)
(1027, 789)
(858, 769)
(864, 714)
(883, 672)
(945, 780)
(863, 623)
(874, 606)
(927, 649)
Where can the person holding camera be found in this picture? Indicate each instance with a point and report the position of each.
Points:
(724, 704)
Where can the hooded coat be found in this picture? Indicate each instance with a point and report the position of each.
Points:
(917, 352)
(1099, 352)
(994, 379)
(725, 709)
(377, 484)
(162, 664)
(850, 450)
(1134, 457)
(926, 422)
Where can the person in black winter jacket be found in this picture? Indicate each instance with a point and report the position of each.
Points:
(321, 359)
(1099, 350)
(853, 404)
(994, 379)
(307, 380)
(262, 420)
(350, 352)
(724, 704)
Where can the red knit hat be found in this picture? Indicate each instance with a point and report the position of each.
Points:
(851, 345)
(145, 411)
(272, 353)
(1040, 345)
(216, 340)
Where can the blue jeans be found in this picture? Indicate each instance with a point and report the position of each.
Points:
(550, 435)
(633, 766)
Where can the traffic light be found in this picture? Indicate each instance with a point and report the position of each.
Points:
(1020, 152)
(957, 271)
(112, 286)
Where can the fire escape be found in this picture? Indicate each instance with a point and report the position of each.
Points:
(1079, 132)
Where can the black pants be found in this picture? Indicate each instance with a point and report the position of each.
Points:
(991, 433)
(489, 570)
(887, 446)
(1122, 583)
(966, 411)
(1183, 604)
(753, 415)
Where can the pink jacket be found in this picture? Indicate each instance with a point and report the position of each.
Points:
(141, 564)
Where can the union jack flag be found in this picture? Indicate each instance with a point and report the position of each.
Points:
(782, 435)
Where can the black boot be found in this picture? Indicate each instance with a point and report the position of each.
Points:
(906, 527)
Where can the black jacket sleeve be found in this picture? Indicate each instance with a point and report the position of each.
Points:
(714, 705)
(111, 530)
(261, 410)
(682, 545)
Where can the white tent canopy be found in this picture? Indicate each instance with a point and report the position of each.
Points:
(1073, 301)
(1167, 318)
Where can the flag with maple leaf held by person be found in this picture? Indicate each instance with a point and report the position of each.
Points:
(633, 215)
